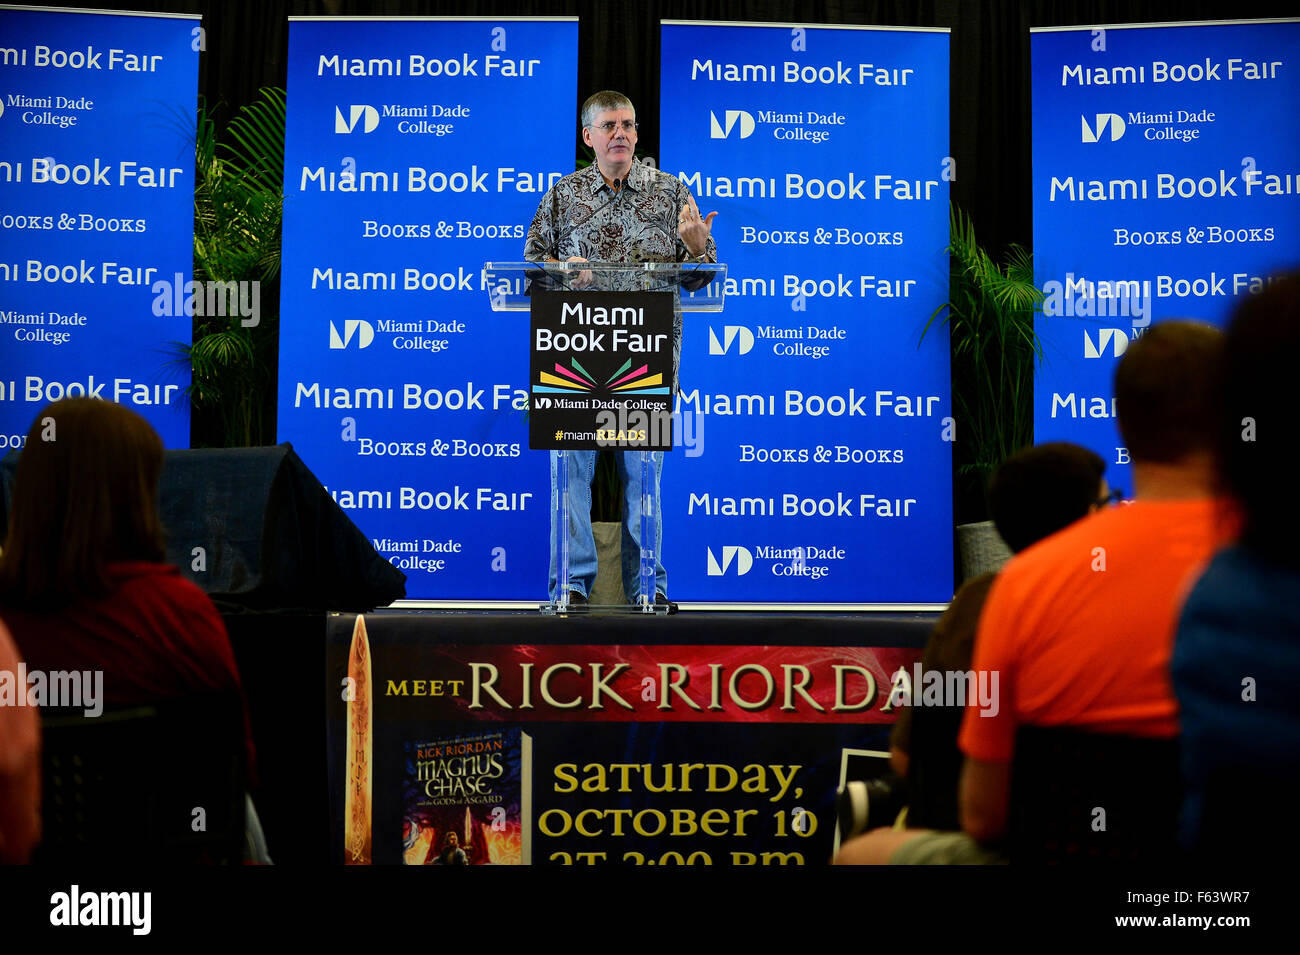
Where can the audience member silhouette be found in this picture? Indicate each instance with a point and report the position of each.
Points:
(1080, 626)
(1033, 494)
(83, 581)
(1236, 660)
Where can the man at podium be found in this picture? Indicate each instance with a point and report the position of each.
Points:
(616, 210)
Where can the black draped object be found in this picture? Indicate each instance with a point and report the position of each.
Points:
(272, 538)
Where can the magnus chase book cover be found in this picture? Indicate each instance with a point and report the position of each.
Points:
(468, 799)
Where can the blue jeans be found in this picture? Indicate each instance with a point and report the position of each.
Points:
(582, 545)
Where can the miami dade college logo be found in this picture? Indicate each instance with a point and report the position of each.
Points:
(351, 327)
(723, 130)
(729, 335)
(355, 113)
(1108, 339)
(740, 555)
(1105, 121)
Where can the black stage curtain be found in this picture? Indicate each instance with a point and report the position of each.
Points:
(618, 46)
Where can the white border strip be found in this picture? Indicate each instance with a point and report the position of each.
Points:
(508, 605)
(800, 26)
(434, 19)
(1146, 26)
(108, 13)
(462, 605)
(819, 607)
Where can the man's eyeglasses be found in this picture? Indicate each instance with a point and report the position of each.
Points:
(1114, 497)
(628, 127)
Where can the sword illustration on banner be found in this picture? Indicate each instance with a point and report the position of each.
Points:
(357, 829)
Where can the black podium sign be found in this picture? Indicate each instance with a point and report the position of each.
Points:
(601, 371)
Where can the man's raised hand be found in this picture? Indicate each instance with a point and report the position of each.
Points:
(694, 230)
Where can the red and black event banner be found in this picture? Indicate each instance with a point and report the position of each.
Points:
(523, 740)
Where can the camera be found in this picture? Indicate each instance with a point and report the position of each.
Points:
(869, 804)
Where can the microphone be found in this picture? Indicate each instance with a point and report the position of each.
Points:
(616, 190)
(616, 193)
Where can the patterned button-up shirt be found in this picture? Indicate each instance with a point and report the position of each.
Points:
(582, 216)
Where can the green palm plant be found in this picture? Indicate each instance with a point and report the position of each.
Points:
(990, 316)
(238, 204)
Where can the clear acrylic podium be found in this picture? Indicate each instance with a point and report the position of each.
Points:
(697, 286)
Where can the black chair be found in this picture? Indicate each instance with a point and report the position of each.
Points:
(159, 783)
(1082, 798)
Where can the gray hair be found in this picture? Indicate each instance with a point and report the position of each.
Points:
(603, 102)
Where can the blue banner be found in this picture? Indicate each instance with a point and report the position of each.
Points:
(815, 465)
(415, 151)
(96, 212)
(1166, 185)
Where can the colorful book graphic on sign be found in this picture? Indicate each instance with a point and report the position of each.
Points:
(468, 799)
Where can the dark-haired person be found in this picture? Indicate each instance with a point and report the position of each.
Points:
(20, 765)
(83, 582)
(1080, 626)
(1033, 494)
(1236, 661)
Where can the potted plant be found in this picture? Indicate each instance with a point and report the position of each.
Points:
(238, 202)
(990, 317)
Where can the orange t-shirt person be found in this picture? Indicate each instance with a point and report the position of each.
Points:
(1079, 627)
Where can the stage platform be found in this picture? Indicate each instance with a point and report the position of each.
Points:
(690, 626)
